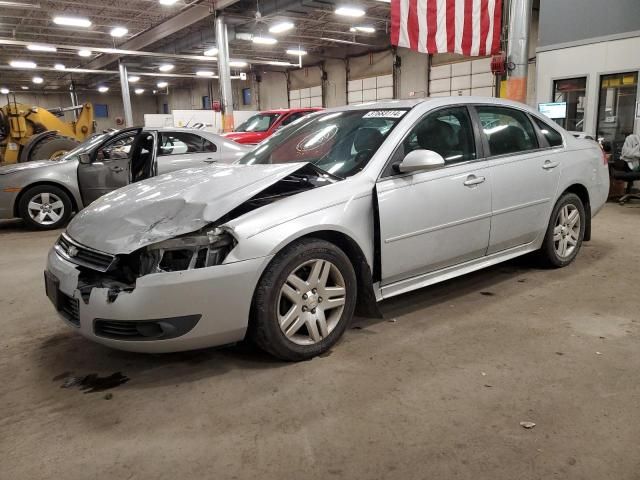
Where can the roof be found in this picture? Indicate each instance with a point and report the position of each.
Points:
(287, 110)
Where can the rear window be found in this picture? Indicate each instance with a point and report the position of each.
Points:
(553, 137)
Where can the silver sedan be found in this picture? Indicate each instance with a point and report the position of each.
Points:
(331, 215)
(45, 193)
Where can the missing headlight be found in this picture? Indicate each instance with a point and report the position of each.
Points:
(197, 250)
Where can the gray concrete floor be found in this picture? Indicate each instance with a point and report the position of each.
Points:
(437, 394)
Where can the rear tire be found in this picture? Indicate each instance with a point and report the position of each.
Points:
(565, 232)
(45, 207)
(52, 148)
(304, 301)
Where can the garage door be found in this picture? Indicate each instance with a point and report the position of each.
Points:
(305, 97)
(472, 77)
(370, 89)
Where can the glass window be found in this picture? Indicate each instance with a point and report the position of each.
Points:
(293, 117)
(178, 143)
(553, 137)
(572, 91)
(448, 132)
(258, 123)
(616, 108)
(118, 148)
(340, 143)
(507, 130)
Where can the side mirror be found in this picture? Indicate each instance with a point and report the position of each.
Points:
(84, 158)
(420, 160)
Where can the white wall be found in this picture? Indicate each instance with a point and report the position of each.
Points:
(335, 87)
(273, 91)
(589, 61)
(414, 74)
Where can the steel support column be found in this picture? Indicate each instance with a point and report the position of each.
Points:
(126, 97)
(518, 49)
(224, 71)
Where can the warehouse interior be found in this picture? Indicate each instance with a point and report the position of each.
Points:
(133, 131)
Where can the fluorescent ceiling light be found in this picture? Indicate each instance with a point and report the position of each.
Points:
(134, 78)
(22, 64)
(84, 53)
(237, 64)
(59, 66)
(103, 89)
(265, 40)
(72, 21)
(4, 91)
(281, 27)
(363, 29)
(278, 63)
(204, 73)
(167, 67)
(212, 52)
(350, 11)
(119, 32)
(162, 84)
(42, 48)
(294, 51)
(37, 80)
(139, 91)
(167, 2)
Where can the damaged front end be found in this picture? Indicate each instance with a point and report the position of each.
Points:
(205, 248)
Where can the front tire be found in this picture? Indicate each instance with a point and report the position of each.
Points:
(52, 148)
(45, 207)
(565, 232)
(304, 301)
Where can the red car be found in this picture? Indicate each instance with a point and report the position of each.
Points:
(264, 124)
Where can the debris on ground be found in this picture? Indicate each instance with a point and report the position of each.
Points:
(598, 353)
(487, 294)
(108, 396)
(559, 353)
(527, 425)
(484, 374)
(392, 320)
(488, 385)
(93, 383)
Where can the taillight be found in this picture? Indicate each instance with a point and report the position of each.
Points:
(605, 157)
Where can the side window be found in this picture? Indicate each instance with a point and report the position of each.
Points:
(179, 143)
(552, 136)
(507, 130)
(117, 148)
(448, 132)
(292, 118)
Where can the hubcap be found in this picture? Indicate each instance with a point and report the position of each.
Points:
(45, 208)
(311, 302)
(566, 231)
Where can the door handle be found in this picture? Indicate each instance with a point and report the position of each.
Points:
(472, 181)
(549, 165)
(210, 160)
(117, 169)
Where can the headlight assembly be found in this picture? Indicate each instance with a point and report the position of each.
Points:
(197, 250)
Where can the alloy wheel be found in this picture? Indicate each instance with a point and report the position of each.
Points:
(311, 302)
(46, 208)
(566, 232)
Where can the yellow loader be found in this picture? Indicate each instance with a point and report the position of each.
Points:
(34, 133)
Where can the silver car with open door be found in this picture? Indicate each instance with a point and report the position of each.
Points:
(343, 209)
(44, 194)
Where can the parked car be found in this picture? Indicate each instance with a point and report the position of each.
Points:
(346, 208)
(45, 193)
(264, 124)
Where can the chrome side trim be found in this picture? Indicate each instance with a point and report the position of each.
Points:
(439, 227)
(522, 205)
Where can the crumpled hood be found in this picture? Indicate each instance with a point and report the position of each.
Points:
(170, 205)
(19, 167)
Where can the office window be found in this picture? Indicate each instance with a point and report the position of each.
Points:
(573, 91)
(617, 108)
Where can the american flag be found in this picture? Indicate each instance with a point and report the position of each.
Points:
(467, 27)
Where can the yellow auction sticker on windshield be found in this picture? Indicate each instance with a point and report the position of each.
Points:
(385, 114)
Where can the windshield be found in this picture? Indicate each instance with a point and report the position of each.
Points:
(340, 143)
(258, 123)
(85, 147)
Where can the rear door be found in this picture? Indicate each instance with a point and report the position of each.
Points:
(179, 150)
(525, 171)
(109, 168)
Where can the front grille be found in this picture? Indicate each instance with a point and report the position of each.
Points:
(81, 255)
(69, 308)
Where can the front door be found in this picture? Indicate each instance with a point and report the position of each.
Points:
(179, 150)
(109, 167)
(435, 219)
(525, 172)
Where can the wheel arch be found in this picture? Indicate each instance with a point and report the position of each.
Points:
(74, 201)
(582, 193)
